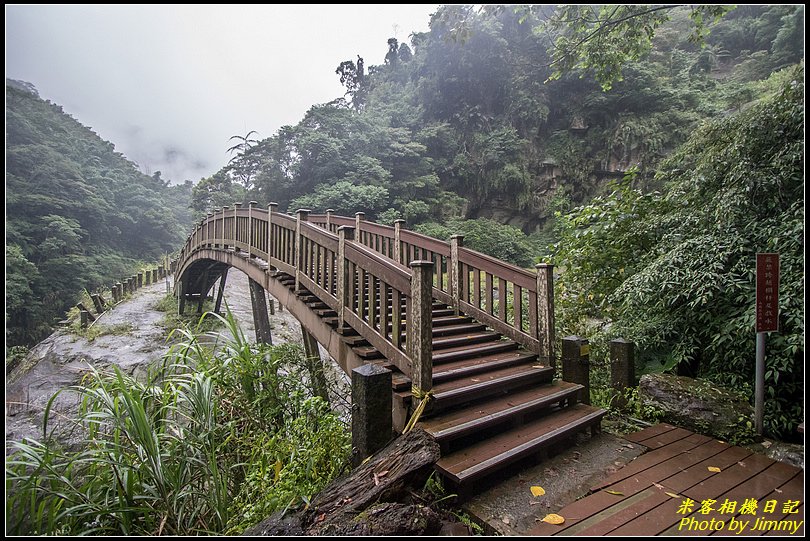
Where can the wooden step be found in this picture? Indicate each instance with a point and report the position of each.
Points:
(465, 339)
(495, 453)
(461, 422)
(466, 389)
(476, 365)
(472, 350)
(451, 320)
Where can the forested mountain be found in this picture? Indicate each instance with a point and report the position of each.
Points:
(78, 213)
(465, 121)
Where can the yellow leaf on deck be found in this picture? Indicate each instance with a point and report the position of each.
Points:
(715, 469)
(673, 495)
(278, 470)
(553, 519)
(616, 492)
(538, 491)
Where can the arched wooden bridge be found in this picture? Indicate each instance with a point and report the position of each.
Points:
(476, 331)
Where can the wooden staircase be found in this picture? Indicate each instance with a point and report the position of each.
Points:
(493, 403)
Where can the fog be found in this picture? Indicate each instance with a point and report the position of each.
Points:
(168, 85)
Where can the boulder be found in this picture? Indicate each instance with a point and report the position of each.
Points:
(698, 405)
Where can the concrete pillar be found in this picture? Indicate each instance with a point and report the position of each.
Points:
(576, 364)
(622, 364)
(261, 321)
(372, 425)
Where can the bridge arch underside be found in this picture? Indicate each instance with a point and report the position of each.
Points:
(204, 267)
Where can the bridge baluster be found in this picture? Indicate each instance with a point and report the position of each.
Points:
(545, 312)
(420, 334)
(345, 233)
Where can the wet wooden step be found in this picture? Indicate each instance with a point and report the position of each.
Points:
(465, 339)
(496, 382)
(457, 423)
(495, 453)
(468, 351)
(468, 367)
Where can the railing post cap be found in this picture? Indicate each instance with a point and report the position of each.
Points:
(574, 337)
(360, 214)
(329, 211)
(272, 204)
(303, 211)
(544, 265)
(421, 263)
(210, 213)
(225, 207)
(399, 221)
(621, 341)
(253, 203)
(346, 228)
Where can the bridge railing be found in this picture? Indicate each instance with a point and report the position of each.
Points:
(376, 296)
(512, 300)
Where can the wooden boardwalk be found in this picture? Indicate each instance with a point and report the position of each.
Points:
(652, 494)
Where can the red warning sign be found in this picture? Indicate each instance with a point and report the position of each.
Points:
(767, 292)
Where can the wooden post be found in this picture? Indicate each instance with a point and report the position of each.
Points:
(576, 364)
(84, 316)
(359, 217)
(99, 306)
(261, 321)
(82, 308)
(236, 207)
(398, 255)
(372, 424)
(345, 233)
(302, 215)
(329, 219)
(223, 277)
(622, 364)
(420, 326)
(147, 277)
(250, 227)
(181, 296)
(224, 233)
(271, 209)
(456, 242)
(140, 280)
(315, 365)
(154, 276)
(545, 313)
(114, 292)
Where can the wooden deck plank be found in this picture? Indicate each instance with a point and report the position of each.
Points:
(649, 432)
(666, 515)
(653, 458)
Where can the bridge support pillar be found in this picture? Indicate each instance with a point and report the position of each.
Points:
(576, 364)
(181, 295)
(622, 368)
(261, 321)
(372, 426)
(221, 291)
(314, 365)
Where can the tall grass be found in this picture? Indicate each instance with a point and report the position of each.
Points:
(210, 442)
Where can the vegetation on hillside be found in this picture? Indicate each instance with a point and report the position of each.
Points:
(78, 214)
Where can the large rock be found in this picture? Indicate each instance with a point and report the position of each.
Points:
(698, 405)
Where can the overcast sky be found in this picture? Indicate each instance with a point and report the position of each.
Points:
(168, 85)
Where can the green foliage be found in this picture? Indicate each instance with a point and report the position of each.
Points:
(207, 444)
(674, 272)
(501, 241)
(78, 214)
(200, 322)
(345, 198)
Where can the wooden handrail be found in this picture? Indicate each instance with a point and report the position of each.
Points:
(362, 270)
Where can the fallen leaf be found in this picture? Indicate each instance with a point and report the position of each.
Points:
(715, 469)
(741, 463)
(553, 519)
(538, 491)
(777, 490)
(376, 480)
(538, 366)
(505, 520)
(767, 444)
(616, 492)
(534, 503)
(658, 486)
(673, 495)
(629, 445)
